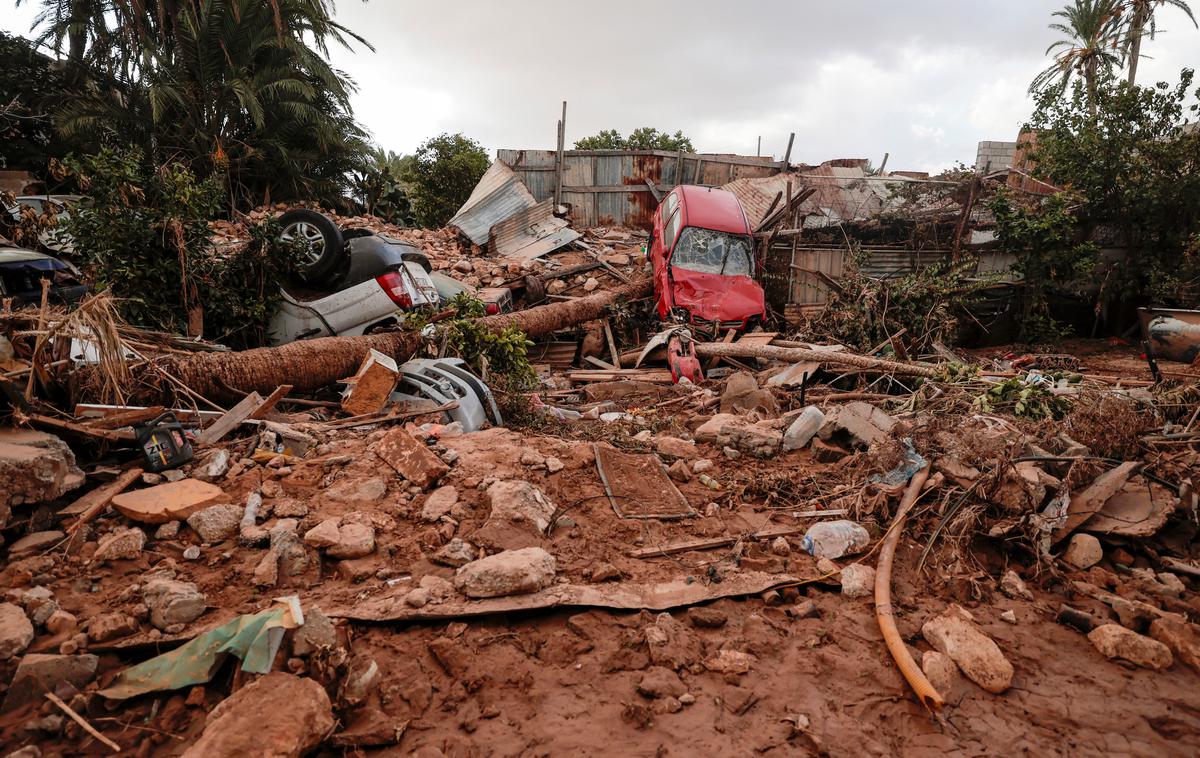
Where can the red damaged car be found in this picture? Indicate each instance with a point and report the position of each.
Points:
(702, 251)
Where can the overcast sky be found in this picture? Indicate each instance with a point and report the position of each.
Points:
(925, 80)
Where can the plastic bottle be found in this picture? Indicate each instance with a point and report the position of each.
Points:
(833, 539)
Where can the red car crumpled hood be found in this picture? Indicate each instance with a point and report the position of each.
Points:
(713, 297)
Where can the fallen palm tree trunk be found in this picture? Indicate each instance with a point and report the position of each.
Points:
(883, 600)
(796, 354)
(309, 365)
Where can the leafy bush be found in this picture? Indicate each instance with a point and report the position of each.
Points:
(643, 138)
(142, 233)
(446, 169)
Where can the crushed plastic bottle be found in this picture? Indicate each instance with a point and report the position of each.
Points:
(833, 539)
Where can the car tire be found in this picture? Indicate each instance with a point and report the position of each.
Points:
(327, 248)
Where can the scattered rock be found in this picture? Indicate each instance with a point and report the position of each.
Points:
(780, 546)
(410, 458)
(742, 395)
(736, 432)
(675, 447)
(1170, 584)
(707, 617)
(38, 674)
(727, 661)
(34, 542)
(856, 424)
(167, 502)
(533, 458)
(279, 715)
(172, 602)
(1083, 552)
(702, 466)
(34, 467)
(324, 534)
(122, 545)
(218, 523)
(191, 553)
(16, 631)
(111, 626)
(1014, 587)
(955, 634)
(671, 644)
(516, 501)
(354, 541)
(680, 471)
(455, 553)
(417, 598)
(858, 580)
(1182, 638)
(604, 572)
(591, 284)
(362, 676)
(511, 572)
(553, 465)
(439, 503)
(317, 633)
(801, 431)
(1115, 641)
(212, 466)
(354, 490)
(168, 531)
(1009, 616)
(941, 672)
(658, 682)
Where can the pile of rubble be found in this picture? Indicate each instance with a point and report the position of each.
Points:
(625, 555)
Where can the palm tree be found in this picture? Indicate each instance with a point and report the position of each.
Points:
(1140, 14)
(1088, 49)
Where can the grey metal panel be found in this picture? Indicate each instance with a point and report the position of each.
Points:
(583, 207)
(611, 207)
(578, 171)
(530, 233)
(610, 169)
(499, 194)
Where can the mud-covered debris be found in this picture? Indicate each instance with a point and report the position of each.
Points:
(354, 541)
(316, 633)
(455, 553)
(725, 429)
(362, 677)
(1013, 586)
(941, 672)
(172, 602)
(124, 544)
(856, 424)
(1182, 638)
(858, 580)
(167, 502)
(410, 458)
(516, 501)
(658, 682)
(1083, 551)
(217, 523)
(35, 542)
(1115, 641)
(439, 502)
(111, 626)
(742, 395)
(38, 674)
(34, 466)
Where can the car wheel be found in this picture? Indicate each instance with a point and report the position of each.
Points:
(321, 238)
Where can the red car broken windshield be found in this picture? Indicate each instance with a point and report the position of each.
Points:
(711, 252)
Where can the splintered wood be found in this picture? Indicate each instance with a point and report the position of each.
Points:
(369, 389)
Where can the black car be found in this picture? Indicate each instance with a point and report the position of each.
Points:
(22, 271)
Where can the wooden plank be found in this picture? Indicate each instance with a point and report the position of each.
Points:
(126, 418)
(111, 435)
(93, 503)
(654, 191)
(599, 363)
(612, 344)
(713, 361)
(272, 399)
(93, 410)
(712, 542)
(232, 419)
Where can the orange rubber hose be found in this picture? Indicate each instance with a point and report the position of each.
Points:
(928, 696)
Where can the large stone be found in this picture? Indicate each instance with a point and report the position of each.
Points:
(324, 534)
(16, 631)
(801, 431)
(1115, 641)
(1083, 552)
(278, 716)
(172, 602)
(955, 634)
(171, 501)
(38, 674)
(354, 541)
(512, 572)
(454, 553)
(941, 672)
(317, 633)
(34, 466)
(742, 395)
(218, 523)
(516, 501)
(355, 490)
(121, 545)
(39, 604)
(410, 458)
(856, 424)
(858, 580)
(726, 430)
(1182, 638)
(439, 503)
(1013, 586)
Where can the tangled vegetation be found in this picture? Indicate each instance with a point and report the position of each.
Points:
(501, 357)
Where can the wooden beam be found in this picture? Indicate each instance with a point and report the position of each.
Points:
(93, 503)
(232, 419)
(654, 191)
(272, 399)
(111, 435)
(126, 418)
(612, 344)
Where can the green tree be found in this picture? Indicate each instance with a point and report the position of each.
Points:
(1139, 18)
(644, 138)
(243, 88)
(445, 170)
(30, 88)
(382, 187)
(1091, 29)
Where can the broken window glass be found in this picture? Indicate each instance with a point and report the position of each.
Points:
(711, 252)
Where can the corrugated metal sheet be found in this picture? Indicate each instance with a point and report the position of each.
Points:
(499, 194)
(530, 233)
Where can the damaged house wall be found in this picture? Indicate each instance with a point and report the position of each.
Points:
(612, 187)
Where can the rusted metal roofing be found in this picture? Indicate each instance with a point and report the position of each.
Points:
(530, 233)
(499, 194)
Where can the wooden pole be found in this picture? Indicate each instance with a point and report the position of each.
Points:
(558, 160)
